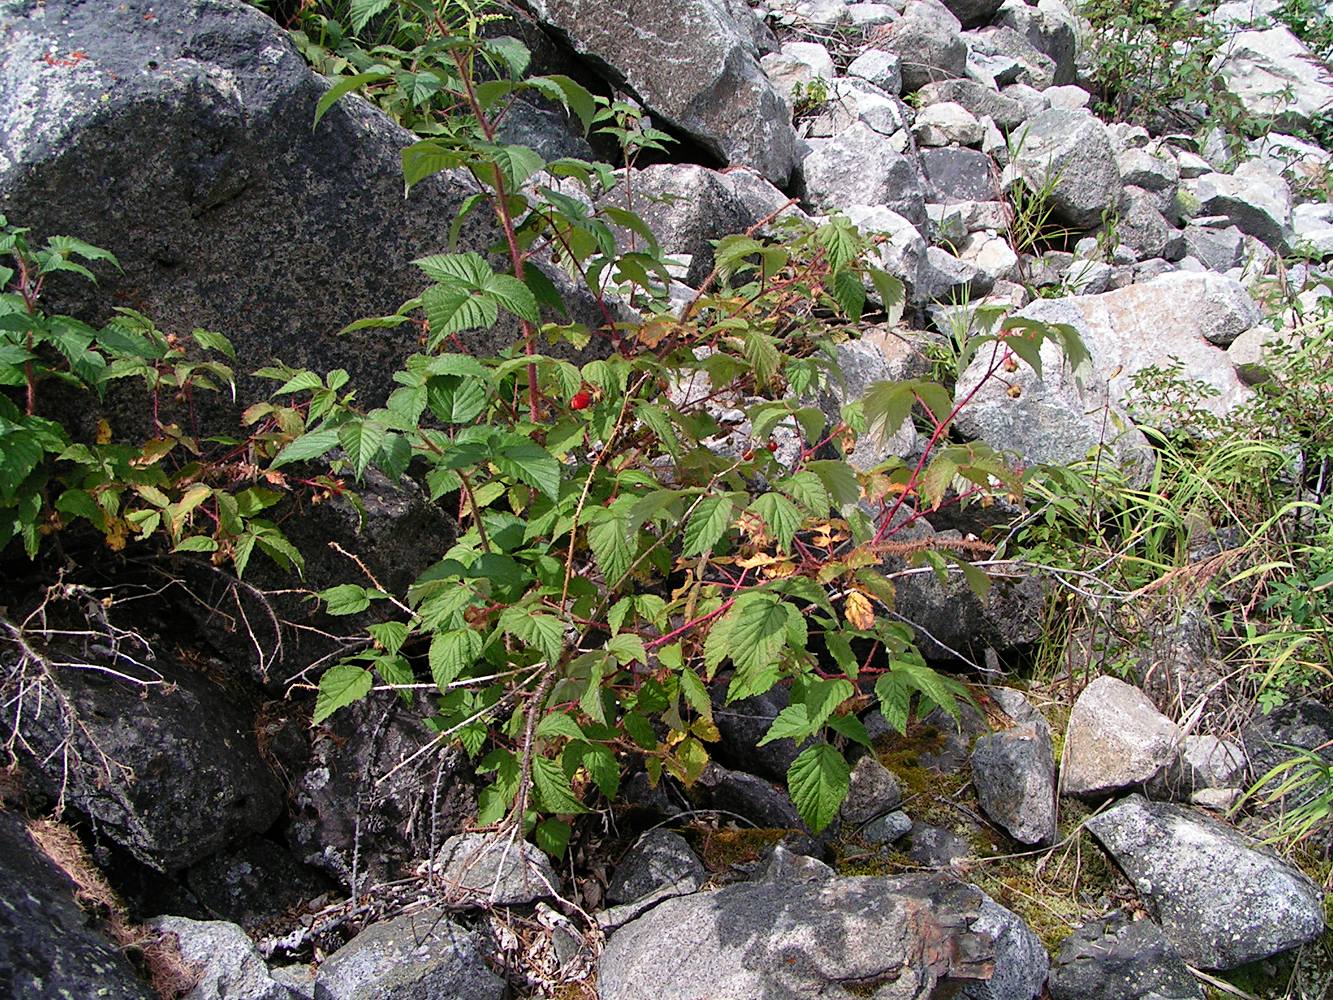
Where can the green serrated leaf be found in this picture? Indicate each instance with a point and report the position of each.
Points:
(850, 293)
(347, 84)
(839, 479)
(307, 447)
(757, 633)
(823, 698)
(602, 767)
(345, 599)
(895, 700)
(532, 464)
(851, 727)
(455, 399)
(780, 516)
(340, 686)
(818, 780)
(808, 490)
(542, 632)
(706, 526)
(362, 440)
(452, 652)
(608, 536)
(552, 787)
(695, 694)
(627, 648)
(514, 296)
(792, 723)
(555, 724)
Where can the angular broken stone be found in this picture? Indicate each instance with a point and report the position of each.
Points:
(1220, 901)
(1116, 739)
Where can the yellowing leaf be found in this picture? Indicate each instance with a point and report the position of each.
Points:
(860, 614)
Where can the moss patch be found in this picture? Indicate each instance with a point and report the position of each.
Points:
(722, 849)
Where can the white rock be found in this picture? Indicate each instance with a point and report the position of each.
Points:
(883, 69)
(991, 254)
(947, 124)
(1060, 417)
(855, 100)
(1067, 96)
(1313, 225)
(796, 67)
(1192, 165)
(1116, 739)
(869, 15)
(1276, 76)
(1255, 199)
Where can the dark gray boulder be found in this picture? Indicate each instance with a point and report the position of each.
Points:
(183, 143)
(1220, 901)
(658, 858)
(1306, 723)
(743, 723)
(873, 791)
(1121, 959)
(758, 800)
(344, 816)
(169, 768)
(253, 883)
(973, 13)
(49, 947)
(1013, 771)
(693, 63)
(954, 175)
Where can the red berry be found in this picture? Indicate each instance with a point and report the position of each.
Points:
(580, 400)
(772, 446)
(749, 454)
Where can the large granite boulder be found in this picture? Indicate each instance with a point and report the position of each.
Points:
(1068, 153)
(1184, 317)
(695, 64)
(1220, 901)
(225, 960)
(928, 40)
(417, 956)
(1116, 739)
(860, 167)
(1256, 199)
(820, 936)
(1276, 77)
(687, 207)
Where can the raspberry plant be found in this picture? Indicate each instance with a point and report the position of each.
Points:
(619, 562)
